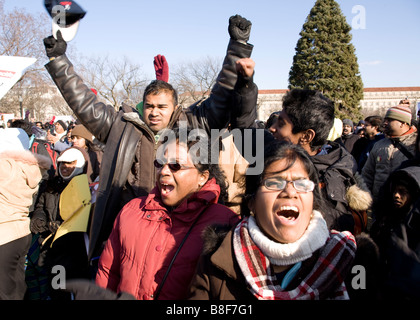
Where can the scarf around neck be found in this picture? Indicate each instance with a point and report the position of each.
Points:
(285, 254)
(325, 280)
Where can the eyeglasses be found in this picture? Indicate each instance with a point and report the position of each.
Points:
(174, 166)
(279, 184)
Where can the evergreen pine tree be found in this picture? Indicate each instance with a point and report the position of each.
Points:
(325, 60)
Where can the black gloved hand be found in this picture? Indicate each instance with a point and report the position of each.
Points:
(239, 28)
(53, 47)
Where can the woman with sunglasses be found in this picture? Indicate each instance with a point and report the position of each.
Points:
(282, 248)
(156, 242)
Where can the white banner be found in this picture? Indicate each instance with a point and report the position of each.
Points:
(11, 69)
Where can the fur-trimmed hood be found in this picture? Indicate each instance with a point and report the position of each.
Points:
(27, 157)
(358, 195)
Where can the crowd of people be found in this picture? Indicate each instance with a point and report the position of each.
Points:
(132, 204)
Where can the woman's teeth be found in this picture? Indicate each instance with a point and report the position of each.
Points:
(289, 212)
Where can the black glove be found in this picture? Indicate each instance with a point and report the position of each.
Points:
(55, 48)
(239, 28)
(88, 290)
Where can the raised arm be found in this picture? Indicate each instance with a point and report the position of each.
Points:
(94, 115)
(216, 111)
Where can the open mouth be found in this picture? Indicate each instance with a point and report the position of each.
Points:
(166, 188)
(288, 212)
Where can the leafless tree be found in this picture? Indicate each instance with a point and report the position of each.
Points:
(116, 81)
(22, 34)
(195, 79)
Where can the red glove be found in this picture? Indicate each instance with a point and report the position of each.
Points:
(161, 68)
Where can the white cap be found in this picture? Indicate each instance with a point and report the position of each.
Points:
(68, 32)
(13, 139)
(70, 155)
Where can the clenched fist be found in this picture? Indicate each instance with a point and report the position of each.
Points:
(239, 28)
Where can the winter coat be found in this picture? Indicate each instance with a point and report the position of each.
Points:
(125, 130)
(341, 186)
(20, 174)
(385, 158)
(397, 234)
(146, 236)
(219, 272)
(348, 141)
(362, 149)
(45, 218)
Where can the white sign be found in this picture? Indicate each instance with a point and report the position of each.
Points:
(11, 69)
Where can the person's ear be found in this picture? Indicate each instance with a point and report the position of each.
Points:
(204, 176)
(306, 137)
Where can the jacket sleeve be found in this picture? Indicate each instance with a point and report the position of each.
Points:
(200, 284)
(368, 171)
(39, 219)
(108, 275)
(94, 115)
(216, 111)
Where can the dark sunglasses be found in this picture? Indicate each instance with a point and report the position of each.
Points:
(174, 166)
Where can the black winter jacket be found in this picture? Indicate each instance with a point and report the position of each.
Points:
(336, 172)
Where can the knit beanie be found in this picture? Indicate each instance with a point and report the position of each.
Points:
(348, 122)
(63, 124)
(402, 113)
(13, 139)
(81, 131)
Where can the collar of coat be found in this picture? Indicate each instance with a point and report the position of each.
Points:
(409, 132)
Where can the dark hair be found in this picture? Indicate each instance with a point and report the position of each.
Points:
(159, 86)
(310, 109)
(203, 162)
(279, 150)
(375, 121)
(42, 125)
(24, 125)
(271, 119)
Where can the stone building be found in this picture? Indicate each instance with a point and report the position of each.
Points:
(375, 100)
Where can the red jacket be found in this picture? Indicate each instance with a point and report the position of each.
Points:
(146, 236)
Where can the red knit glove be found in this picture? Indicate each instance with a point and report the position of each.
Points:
(161, 68)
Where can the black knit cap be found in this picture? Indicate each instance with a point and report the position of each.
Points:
(63, 124)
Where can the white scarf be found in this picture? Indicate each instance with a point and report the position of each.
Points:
(283, 254)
